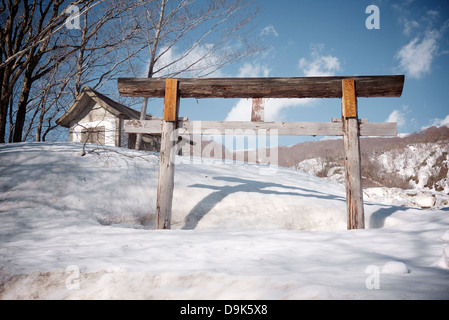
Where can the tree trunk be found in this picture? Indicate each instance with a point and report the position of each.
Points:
(22, 105)
(143, 112)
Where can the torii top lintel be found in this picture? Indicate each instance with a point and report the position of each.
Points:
(297, 87)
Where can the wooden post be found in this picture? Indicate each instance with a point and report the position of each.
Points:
(257, 112)
(353, 171)
(167, 156)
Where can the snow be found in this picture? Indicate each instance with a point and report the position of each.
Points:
(418, 160)
(418, 163)
(443, 262)
(394, 267)
(81, 227)
(445, 236)
(424, 199)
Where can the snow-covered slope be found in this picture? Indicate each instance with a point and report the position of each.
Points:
(417, 166)
(418, 161)
(425, 165)
(80, 227)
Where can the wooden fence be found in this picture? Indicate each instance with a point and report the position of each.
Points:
(350, 127)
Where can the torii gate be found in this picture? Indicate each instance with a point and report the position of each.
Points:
(346, 88)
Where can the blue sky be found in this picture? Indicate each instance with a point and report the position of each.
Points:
(318, 38)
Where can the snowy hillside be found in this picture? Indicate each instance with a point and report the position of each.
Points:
(80, 227)
(393, 162)
(418, 166)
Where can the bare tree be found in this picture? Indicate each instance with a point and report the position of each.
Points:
(196, 37)
(27, 32)
(50, 63)
(44, 65)
(98, 59)
(103, 36)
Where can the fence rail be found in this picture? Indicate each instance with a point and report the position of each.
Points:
(247, 128)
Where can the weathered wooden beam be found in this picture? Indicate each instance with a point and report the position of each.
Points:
(299, 87)
(169, 139)
(353, 168)
(378, 129)
(247, 128)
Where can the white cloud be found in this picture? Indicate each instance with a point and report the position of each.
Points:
(441, 122)
(273, 108)
(410, 26)
(415, 21)
(398, 116)
(269, 30)
(253, 70)
(241, 111)
(200, 61)
(319, 65)
(415, 58)
(433, 13)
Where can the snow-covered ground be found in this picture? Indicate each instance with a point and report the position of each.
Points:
(77, 227)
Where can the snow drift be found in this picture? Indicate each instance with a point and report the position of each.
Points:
(80, 227)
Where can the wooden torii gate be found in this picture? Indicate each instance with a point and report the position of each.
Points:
(346, 88)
